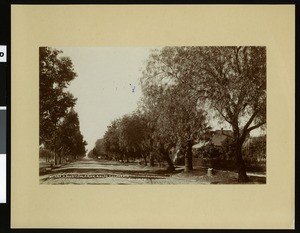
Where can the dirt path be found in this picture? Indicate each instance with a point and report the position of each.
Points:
(91, 171)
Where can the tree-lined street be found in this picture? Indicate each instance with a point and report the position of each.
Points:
(185, 91)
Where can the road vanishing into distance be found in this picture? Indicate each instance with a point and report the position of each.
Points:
(92, 171)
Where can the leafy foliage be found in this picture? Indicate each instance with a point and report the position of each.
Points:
(255, 149)
(45, 154)
(228, 148)
(59, 124)
(55, 75)
(70, 140)
(179, 85)
(125, 136)
(131, 133)
(111, 140)
(231, 81)
(210, 151)
(98, 150)
(180, 118)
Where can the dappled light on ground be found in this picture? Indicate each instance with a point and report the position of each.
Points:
(92, 171)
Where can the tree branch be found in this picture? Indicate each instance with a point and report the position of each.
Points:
(250, 121)
(256, 126)
(220, 112)
(227, 135)
(237, 59)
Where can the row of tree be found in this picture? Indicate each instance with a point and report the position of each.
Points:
(254, 150)
(59, 125)
(125, 139)
(181, 87)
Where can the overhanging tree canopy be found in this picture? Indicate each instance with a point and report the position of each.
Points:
(179, 115)
(230, 80)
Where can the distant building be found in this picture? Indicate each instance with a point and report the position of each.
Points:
(217, 137)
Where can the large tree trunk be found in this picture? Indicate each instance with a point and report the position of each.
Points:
(55, 156)
(189, 157)
(55, 160)
(127, 158)
(151, 160)
(241, 168)
(240, 164)
(55, 152)
(166, 157)
(169, 161)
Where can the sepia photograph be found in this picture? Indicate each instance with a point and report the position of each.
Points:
(130, 115)
(152, 115)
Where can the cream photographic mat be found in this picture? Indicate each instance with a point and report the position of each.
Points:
(166, 206)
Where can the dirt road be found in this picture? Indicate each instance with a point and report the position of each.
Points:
(90, 171)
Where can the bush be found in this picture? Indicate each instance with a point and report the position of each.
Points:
(45, 153)
(255, 150)
(210, 154)
(210, 151)
(46, 157)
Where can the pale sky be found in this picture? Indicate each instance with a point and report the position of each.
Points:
(103, 88)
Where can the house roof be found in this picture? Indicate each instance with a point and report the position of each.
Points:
(200, 144)
(217, 138)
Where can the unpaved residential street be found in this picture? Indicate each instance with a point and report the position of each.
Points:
(91, 171)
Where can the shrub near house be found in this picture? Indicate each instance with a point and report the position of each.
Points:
(219, 152)
(255, 152)
(213, 148)
(210, 154)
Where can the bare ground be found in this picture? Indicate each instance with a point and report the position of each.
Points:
(90, 171)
